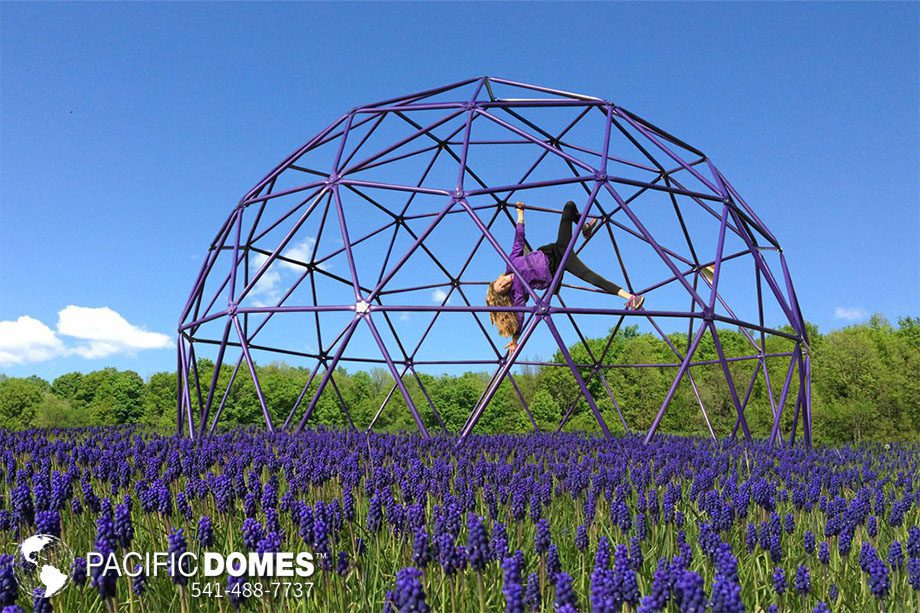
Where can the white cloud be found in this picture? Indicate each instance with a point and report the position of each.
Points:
(96, 349)
(300, 252)
(266, 291)
(850, 313)
(28, 340)
(438, 296)
(107, 332)
(404, 316)
(103, 331)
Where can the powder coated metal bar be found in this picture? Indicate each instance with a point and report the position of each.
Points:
(782, 398)
(223, 400)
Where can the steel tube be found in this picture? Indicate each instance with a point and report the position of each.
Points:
(782, 396)
(223, 400)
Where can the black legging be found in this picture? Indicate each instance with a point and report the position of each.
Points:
(574, 265)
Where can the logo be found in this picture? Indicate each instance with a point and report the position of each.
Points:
(210, 563)
(42, 564)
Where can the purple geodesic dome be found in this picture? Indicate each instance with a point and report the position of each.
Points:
(372, 245)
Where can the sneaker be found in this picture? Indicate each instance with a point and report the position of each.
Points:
(708, 272)
(635, 302)
(588, 228)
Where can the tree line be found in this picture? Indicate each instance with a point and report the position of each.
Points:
(865, 386)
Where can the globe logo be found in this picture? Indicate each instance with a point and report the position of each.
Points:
(42, 563)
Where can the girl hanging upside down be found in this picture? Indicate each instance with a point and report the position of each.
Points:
(538, 268)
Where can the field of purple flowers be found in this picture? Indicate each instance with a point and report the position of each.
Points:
(520, 523)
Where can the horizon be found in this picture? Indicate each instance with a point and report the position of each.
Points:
(422, 370)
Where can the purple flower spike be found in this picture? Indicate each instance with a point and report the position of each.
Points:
(124, 528)
(104, 581)
(342, 565)
(477, 549)
(602, 557)
(565, 596)
(48, 522)
(139, 581)
(824, 553)
(375, 514)
(512, 589)
(532, 598)
(448, 554)
(879, 578)
(499, 543)
(9, 588)
(581, 538)
(808, 539)
(21, 500)
(802, 580)
(779, 580)
(236, 592)
(542, 537)
(179, 569)
(421, 550)
(78, 571)
(553, 565)
(409, 595)
(913, 542)
(872, 526)
(40, 604)
(689, 592)
(252, 533)
(913, 573)
(726, 596)
(750, 538)
(205, 532)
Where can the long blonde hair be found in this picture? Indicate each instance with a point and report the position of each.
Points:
(505, 321)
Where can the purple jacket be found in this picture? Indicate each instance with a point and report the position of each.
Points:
(534, 267)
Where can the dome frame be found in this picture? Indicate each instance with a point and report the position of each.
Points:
(666, 167)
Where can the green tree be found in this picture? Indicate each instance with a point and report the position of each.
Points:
(118, 398)
(67, 385)
(359, 391)
(281, 385)
(19, 398)
(455, 398)
(545, 410)
(56, 412)
(159, 405)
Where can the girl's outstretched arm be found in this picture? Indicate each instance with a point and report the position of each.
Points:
(517, 250)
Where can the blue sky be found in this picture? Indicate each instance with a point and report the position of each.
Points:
(129, 131)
